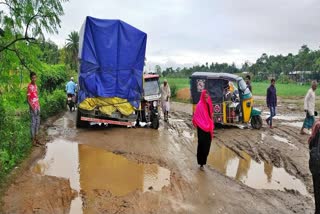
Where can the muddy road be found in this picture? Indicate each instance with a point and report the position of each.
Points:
(141, 170)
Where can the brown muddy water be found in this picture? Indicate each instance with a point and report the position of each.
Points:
(256, 175)
(90, 168)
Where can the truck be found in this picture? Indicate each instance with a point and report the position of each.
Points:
(112, 56)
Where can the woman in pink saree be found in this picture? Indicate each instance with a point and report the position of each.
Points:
(314, 163)
(202, 120)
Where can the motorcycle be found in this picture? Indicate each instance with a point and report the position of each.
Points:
(71, 102)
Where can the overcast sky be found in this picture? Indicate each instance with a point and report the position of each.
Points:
(187, 32)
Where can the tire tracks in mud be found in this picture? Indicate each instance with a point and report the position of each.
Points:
(191, 191)
(260, 145)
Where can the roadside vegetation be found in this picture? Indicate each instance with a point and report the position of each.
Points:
(23, 49)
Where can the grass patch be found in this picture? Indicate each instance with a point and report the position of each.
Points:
(180, 83)
(283, 90)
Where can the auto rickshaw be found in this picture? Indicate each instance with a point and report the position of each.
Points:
(149, 112)
(232, 100)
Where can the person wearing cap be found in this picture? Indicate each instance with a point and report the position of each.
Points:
(165, 96)
(71, 87)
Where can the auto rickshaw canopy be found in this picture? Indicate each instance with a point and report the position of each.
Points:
(214, 83)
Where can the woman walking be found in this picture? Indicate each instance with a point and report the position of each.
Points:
(314, 163)
(202, 120)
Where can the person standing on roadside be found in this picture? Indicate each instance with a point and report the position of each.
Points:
(34, 108)
(309, 105)
(165, 96)
(202, 120)
(314, 163)
(271, 101)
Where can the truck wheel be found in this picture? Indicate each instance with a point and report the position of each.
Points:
(80, 123)
(155, 123)
(256, 122)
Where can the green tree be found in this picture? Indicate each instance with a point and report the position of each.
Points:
(157, 69)
(63, 56)
(24, 22)
(72, 47)
(50, 52)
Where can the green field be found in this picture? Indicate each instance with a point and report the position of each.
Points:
(258, 88)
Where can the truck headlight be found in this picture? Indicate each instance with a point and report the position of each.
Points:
(155, 103)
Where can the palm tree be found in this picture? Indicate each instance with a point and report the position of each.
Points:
(72, 47)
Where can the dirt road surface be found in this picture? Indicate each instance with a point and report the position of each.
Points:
(141, 170)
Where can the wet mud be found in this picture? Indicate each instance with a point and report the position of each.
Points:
(38, 194)
(141, 170)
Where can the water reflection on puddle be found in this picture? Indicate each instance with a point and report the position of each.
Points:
(187, 134)
(287, 117)
(90, 168)
(293, 124)
(263, 136)
(52, 131)
(251, 173)
(284, 140)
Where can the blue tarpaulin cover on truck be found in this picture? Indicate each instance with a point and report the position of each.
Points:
(112, 55)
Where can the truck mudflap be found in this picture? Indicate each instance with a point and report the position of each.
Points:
(114, 122)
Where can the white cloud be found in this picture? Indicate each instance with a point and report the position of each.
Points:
(186, 32)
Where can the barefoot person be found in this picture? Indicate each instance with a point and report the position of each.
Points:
(202, 120)
(314, 164)
(34, 107)
(309, 104)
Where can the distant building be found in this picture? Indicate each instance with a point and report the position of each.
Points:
(300, 76)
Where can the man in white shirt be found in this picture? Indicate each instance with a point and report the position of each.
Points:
(309, 105)
(165, 95)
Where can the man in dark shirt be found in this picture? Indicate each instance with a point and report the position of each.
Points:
(271, 101)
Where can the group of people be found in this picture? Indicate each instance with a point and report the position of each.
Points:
(203, 121)
(309, 105)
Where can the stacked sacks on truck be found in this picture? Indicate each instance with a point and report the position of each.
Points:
(112, 55)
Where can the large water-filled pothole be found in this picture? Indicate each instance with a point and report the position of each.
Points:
(90, 168)
(256, 175)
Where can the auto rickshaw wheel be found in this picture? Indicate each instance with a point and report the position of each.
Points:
(155, 123)
(256, 122)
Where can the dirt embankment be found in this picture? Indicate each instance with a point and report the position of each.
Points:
(38, 194)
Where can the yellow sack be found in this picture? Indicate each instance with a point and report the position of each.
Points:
(108, 105)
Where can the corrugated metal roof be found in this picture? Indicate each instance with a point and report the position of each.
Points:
(212, 75)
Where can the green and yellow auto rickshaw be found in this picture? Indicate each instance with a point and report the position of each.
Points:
(231, 98)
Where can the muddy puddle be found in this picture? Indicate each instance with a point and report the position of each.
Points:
(256, 175)
(90, 169)
(62, 126)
